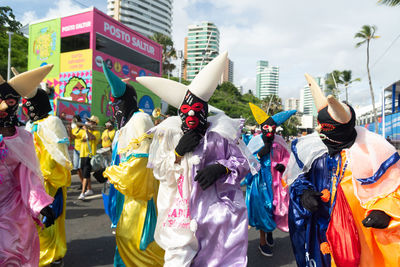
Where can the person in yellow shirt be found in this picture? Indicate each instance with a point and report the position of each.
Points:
(107, 139)
(73, 129)
(90, 137)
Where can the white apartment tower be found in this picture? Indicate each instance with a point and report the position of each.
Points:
(201, 46)
(144, 16)
(292, 103)
(267, 79)
(307, 105)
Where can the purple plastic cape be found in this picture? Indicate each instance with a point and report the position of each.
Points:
(22, 197)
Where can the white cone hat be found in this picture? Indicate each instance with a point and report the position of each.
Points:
(206, 81)
(337, 110)
(27, 82)
(203, 85)
(168, 90)
(318, 96)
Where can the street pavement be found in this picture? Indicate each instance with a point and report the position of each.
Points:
(90, 241)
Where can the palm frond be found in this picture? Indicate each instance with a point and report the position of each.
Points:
(360, 43)
(389, 2)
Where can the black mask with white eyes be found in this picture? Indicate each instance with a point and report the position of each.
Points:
(124, 106)
(193, 112)
(268, 129)
(9, 100)
(37, 107)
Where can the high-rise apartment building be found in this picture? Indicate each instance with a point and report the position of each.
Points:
(292, 103)
(227, 75)
(144, 16)
(307, 105)
(267, 79)
(201, 46)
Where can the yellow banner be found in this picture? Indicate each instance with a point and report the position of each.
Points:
(76, 60)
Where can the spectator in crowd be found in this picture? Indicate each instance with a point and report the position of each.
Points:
(74, 131)
(90, 137)
(106, 141)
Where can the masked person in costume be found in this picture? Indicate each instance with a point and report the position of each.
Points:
(344, 195)
(132, 178)
(202, 219)
(51, 145)
(22, 195)
(266, 199)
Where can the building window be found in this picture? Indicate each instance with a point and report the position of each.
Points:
(114, 49)
(75, 42)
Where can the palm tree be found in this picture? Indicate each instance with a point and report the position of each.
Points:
(169, 51)
(347, 81)
(367, 34)
(389, 2)
(333, 79)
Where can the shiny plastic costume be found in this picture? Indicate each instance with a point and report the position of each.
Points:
(266, 199)
(22, 197)
(368, 172)
(51, 145)
(199, 227)
(132, 178)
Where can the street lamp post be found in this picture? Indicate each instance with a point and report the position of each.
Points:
(179, 54)
(9, 55)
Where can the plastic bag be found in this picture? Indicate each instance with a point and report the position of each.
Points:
(342, 234)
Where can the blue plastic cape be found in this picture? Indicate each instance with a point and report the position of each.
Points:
(308, 230)
(149, 225)
(57, 205)
(259, 196)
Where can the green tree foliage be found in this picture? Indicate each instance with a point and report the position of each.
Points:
(19, 44)
(228, 98)
(169, 51)
(331, 86)
(347, 80)
(389, 2)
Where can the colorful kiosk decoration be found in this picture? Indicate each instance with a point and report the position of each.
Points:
(77, 45)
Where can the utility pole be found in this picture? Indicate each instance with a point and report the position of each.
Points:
(9, 55)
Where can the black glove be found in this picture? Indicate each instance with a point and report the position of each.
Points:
(187, 142)
(280, 167)
(266, 148)
(49, 216)
(310, 200)
(209, 174)
(377, 219)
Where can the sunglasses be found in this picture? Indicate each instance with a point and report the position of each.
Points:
(77, 91)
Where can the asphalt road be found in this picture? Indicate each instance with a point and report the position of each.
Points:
(91, 243)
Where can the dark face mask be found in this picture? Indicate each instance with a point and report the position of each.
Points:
(37, 107)
(336, 136)
(9, 117)
(193, 112)
(123, 107)
(267, 134)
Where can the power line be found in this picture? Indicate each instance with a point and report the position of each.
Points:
(382, 55)
(80, 3)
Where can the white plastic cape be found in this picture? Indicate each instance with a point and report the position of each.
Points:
(54, 136)
(175, 230)
(134, 130)
(308, 148)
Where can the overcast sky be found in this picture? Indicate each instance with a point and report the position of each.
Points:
(298, 36)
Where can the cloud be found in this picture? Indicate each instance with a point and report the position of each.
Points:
(301, 36)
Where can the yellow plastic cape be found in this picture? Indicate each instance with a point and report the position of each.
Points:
(53, 244)
(138, 184)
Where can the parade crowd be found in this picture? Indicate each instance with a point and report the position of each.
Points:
(175, 196)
